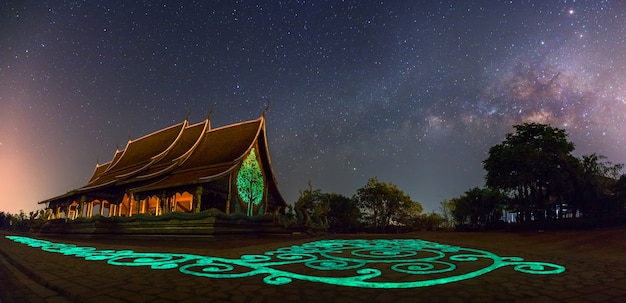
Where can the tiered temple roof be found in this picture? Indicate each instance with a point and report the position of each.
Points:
(178, 156)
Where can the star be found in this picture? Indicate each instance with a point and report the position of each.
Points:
(430, 85)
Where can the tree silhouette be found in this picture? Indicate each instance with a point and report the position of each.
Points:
(383, 203)
(530, 164)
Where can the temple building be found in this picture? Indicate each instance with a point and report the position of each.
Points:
(181, 168)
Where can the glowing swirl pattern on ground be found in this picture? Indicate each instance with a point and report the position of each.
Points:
(394, 263)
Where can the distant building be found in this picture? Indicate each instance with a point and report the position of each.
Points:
(181, 168)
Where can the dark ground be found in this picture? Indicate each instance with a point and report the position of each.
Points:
(595, 265)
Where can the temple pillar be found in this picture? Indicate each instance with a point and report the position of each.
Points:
(57, 214)
(101, 212)
(137, 203)
(230, 185)
(157, 206)
(197, 199)
(163, 202)
(142, 206)
(67, 214)
(131, 199)
(266, 197)
(81, 206)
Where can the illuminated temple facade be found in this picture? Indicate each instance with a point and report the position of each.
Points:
(181, 168)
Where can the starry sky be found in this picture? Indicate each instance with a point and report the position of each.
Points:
(411, 92)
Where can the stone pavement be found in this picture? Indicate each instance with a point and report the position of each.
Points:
(594, 262)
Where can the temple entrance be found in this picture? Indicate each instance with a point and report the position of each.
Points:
(182, 202)
(73, 210)
(125, 206)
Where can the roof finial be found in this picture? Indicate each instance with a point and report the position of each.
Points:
(208, 118)
(267, 107)
(187, 117)
(210, 112)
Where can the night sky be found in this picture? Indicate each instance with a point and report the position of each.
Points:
(411, 92)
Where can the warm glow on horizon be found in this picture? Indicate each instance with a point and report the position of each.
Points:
(17, 188)
(30, 169)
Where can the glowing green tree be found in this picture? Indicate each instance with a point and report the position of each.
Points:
(250, 184)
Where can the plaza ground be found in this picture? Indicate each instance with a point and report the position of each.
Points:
(594, 262)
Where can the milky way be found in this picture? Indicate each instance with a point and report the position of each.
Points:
(413, 92)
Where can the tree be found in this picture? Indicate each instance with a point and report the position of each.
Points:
(462, 211)
(619, 189)
(18, 222)
(382, 204)
(531, 165)
(5, 220)
(446, 207)
(250, 183)
(344, 213)
(22, 222)
(594, 186)
(288, 218)
(479, 206)
(331, 211)
(307, 206)
(430, 222)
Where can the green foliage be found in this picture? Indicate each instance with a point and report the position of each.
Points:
(311, 209)
(250, 183)
(19, 222)
(378, 205)
(344, 214)
(536, 168)
(532, 165)
(383, 204)
(446, 207)
(619, 190)
(5, 220)
(288, 218)
(430, 222)
(326, 211)
(595, 188)
(479, 207)
(22, 222)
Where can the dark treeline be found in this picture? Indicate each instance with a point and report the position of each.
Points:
(375, 207)
(23, 222)
(532, 177)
